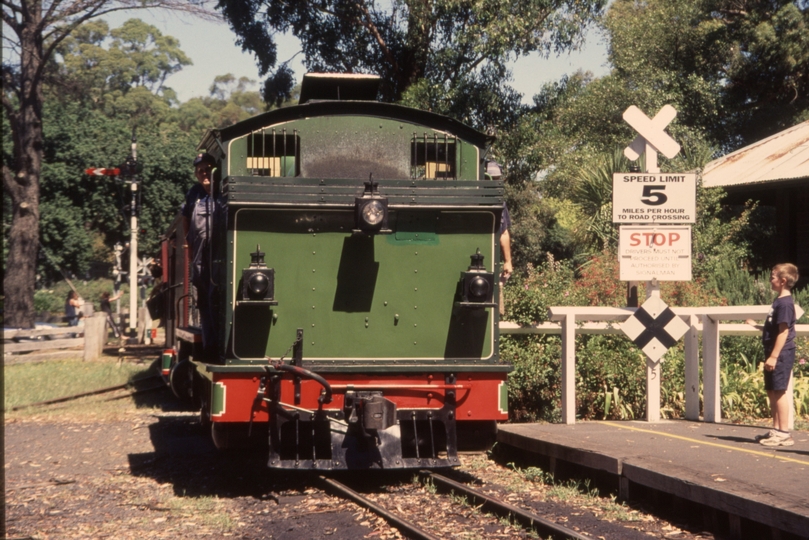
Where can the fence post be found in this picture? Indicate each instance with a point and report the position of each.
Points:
(710, 370)
(569, 369)
(692, 369)
(94, 328)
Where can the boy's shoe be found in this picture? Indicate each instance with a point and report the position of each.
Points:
(778, 440)
(767, 435)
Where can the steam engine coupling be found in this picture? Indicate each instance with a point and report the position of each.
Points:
(369, 412)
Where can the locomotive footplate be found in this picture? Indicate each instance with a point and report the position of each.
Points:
(369, 433)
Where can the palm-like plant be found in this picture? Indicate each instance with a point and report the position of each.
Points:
(593, 194)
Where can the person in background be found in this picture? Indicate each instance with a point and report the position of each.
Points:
(495, 173)
(505, 244)
(72, 305)
(106, 307)
(778, 337)
(198, 219)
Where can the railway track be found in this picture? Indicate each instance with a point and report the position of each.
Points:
(482, 502)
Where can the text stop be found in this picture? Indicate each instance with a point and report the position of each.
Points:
(650, 239)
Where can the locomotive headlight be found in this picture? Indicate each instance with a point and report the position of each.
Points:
(257, 285)
(258, 281)
(371, 215)
(479, 288)
(373, 212)
(477, 285)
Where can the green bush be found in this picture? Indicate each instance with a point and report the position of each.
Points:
(534, 384)
(528, 296)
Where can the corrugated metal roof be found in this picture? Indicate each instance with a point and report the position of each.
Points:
(783, 156)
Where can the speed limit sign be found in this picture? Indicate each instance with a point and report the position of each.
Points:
(654, 198)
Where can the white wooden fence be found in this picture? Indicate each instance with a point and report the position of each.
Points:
(567, 321)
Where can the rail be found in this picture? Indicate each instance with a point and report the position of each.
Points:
(567, 321)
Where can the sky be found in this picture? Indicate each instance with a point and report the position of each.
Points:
(211, 46)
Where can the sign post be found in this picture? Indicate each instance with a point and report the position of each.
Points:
(655, 245)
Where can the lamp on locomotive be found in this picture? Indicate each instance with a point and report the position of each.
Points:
(371, 211)
(478, 284)
(258, 281)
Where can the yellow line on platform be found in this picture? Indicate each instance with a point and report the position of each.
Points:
(718, 445)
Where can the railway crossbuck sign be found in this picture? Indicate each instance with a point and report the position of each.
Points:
(651, 134)
(654, 328)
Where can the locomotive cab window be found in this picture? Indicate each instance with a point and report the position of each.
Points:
(273, 153)
(433, 157)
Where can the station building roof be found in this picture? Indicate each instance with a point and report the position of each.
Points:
(780, 158)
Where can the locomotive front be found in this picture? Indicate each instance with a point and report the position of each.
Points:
(357, 291)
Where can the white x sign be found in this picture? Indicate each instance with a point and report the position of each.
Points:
(652, 135)
(659, 122)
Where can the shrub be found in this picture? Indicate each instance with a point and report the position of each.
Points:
(534, 384)
(528, 296)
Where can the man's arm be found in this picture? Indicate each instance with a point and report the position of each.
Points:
(505, 248)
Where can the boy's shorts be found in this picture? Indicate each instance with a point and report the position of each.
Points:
(778, 379)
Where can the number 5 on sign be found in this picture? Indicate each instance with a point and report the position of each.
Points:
(653, 195)
(654, 198)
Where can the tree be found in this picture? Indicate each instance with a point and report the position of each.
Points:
(96, 65)
(33, 29)
(740, 67)
(446, 43)
(229, 101)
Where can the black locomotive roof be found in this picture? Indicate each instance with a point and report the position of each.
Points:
(339, 86)
(347, 108)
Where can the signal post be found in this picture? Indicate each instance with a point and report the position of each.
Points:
(129, 172)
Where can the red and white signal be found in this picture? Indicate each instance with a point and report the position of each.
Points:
(93, 171)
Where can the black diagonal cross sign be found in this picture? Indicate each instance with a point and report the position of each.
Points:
(655, 328)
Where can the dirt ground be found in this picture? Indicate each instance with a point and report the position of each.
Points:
(146, 469)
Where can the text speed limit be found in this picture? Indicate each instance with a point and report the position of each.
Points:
(654, 198)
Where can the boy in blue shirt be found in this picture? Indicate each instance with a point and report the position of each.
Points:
(778, 337)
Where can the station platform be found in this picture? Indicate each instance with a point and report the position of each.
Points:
(742, 489)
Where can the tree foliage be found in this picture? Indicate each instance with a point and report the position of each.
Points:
(735, 70)
(100, 66)
(32, 31)
(92, 103)
(229, 101)
(447, 47)
(739, 67)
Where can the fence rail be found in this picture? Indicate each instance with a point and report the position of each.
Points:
(567, 321)
(89, 337)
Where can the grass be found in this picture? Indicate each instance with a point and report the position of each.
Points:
(35, 382)
(576, 492)
(208, 510)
